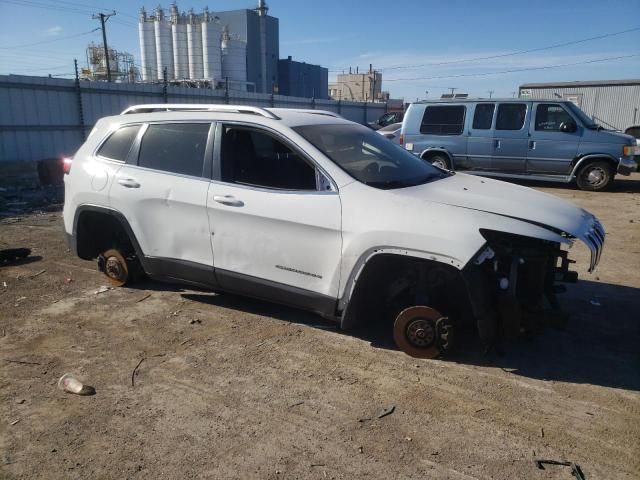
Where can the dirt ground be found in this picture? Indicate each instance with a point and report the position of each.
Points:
(235, 388)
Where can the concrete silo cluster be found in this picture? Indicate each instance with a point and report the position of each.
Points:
(190, 46)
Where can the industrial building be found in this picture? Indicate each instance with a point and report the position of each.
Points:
(358, 87)
(614, 104)
(238, 47)
(300, 79)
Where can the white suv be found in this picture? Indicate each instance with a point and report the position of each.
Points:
(307, 209)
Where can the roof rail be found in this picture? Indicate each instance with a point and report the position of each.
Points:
(308, 110)
(195, 107)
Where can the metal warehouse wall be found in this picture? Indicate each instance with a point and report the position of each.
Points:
(614, 106)
(43, 118)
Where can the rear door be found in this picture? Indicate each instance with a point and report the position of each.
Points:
(511, 137)
(275, 219)
(480, 137)
(162, 193)
(551, 150)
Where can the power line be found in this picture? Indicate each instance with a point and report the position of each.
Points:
(520, 52)
(545, 67)
(57, 39)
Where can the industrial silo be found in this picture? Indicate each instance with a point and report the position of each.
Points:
(164, 45)
(234, 58)
(211, 52)
(148, 62)
(194, 45)
(179, 36)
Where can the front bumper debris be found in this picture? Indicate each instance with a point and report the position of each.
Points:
(627, 165)
(594, 239)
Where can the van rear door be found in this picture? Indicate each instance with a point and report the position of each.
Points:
(511, 137)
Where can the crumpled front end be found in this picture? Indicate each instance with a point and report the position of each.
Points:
(514, 280)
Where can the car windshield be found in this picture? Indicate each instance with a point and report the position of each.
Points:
(584, 118)
(369, 157)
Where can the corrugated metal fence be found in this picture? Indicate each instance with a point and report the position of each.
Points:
(43, 118)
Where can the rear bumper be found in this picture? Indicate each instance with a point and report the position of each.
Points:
(627, 165)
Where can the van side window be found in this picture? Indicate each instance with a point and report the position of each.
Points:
(511, 116)
(483, 116)
(119, 143)
(251, 157)
(549, 116)
(175, 147)
(443, 120)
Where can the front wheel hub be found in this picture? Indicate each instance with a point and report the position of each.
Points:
(422, 332)
(115, 267)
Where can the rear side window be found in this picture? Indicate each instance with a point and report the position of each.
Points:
(511, 116)
(252, 157)
(483, 116)
(443, 120)
(549, 116)
(175, 147)
(119, 143)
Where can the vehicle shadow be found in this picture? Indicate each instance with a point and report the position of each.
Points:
(599, 345)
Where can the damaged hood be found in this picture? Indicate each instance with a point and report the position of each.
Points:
(516, 202)
(506, 199)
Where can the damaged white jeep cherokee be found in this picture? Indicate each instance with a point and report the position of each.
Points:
(307, 209)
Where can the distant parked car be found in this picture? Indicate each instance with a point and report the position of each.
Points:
(549, 140)
(387, 119)
(392, 132)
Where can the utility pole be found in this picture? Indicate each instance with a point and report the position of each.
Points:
(453, 89)
(103, 18)
(490, 94)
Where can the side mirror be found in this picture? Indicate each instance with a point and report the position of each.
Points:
(568, 127)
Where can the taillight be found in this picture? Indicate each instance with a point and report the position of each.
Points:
(401, 139)
(66, 165)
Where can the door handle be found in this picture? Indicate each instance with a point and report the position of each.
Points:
(498, 143)
(532, 144)
(128, 182)
(228, 200)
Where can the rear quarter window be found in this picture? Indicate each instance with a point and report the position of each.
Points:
(443, 119)
(117, 146)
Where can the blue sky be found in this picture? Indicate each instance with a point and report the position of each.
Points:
(404, 39)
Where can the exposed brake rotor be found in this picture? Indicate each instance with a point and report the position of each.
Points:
(422, 332)
(114, 266)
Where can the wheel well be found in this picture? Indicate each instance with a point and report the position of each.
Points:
(97, 232)
(428, 155)
(389, 283)
(604, 158)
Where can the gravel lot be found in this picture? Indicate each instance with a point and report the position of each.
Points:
(235, 388)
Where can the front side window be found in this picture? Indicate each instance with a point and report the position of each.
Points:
(483, 116)
(443, 120)
(511, 116)
(175, 147)
(256, 158)
(119, 143)
(369, 157)
(549, 116)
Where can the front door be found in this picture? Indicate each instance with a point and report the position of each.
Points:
(275, 219)
(550, 149)
(480, 138)
(511, 138)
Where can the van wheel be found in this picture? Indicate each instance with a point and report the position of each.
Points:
(439, 161)
(595, 176)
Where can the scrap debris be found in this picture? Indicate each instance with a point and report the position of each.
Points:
(135, 371)
(576, 471)
(71, 384)
(387, 411)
